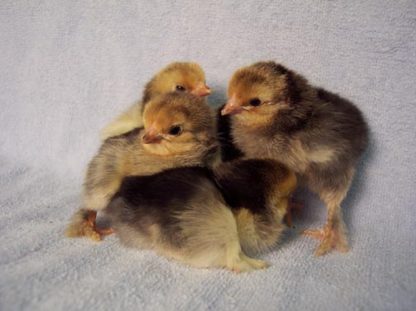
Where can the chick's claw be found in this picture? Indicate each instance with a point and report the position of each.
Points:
(91, 231)
(247, 264)
(256, 263)
(314, 233)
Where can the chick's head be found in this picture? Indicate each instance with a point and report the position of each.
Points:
(257, 93)
(178, 123)
(183, 77)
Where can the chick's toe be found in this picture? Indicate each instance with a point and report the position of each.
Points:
(331, 237)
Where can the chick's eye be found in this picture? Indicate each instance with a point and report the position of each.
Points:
(255, 102)
(180, 88)
(175, 130)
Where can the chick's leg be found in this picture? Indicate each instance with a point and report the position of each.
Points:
(333, 234)
(238, 262)
(292, 206)
(96, 197)
(92, 229)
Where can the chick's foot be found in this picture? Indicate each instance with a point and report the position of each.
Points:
(331, 237)
(83, 224)
(247, 264)
(293, 207)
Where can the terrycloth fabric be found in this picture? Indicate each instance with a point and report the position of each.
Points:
(68, 67)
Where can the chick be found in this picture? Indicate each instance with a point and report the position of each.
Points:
(179, 76)
(275, 113)
(181, 214)
(258, 191)
(178, 130)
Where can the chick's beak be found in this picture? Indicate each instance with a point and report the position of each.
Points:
(151, 137)
(201, 89)
(231, 107)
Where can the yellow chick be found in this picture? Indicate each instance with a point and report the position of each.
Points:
(179, 76)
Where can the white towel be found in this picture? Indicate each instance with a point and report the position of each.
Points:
(69, 67)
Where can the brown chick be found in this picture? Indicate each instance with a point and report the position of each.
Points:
(178, 130)
(181, 214)
(179, 76)
(276, 114)
(258, 192)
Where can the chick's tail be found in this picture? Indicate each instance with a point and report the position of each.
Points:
(127, 121)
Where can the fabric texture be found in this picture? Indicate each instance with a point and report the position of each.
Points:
(69, 67)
